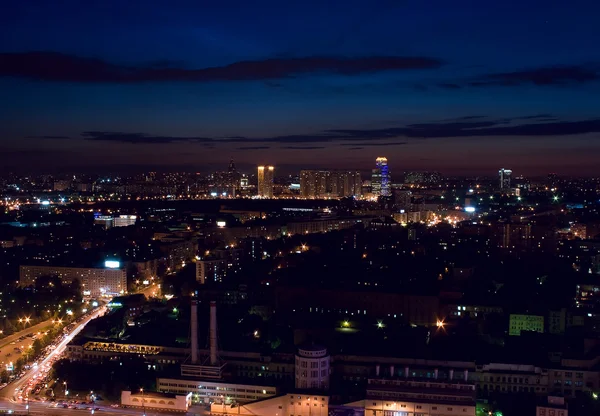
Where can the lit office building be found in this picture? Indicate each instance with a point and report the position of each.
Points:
(265, 181)
(109, 280)
(504, 177)
(329, 184)
(380, 178)
(125, 220)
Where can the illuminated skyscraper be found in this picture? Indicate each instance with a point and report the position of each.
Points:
(380, 178)
(504, 176)
(329, 183)
(265, 181)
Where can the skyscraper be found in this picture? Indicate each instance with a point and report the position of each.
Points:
(380, 177)
(504, 176)
(265, 181)
(329, 184)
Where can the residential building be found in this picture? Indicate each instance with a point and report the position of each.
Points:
(519, 323)
(109, 280)
(265, 181)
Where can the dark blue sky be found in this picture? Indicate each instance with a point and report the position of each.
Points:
(464, 86)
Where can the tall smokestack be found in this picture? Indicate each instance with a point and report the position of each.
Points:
(213, 333)
(194, 332)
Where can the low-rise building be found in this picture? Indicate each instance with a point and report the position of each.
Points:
(553, 406)
(290, 404)
(215, 391)
(519, 323)
(405, 396)
(506, 378)
(156, 401)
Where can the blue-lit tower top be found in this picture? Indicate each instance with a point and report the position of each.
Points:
(381, 164)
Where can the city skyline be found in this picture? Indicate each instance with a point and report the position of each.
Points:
(134, 86)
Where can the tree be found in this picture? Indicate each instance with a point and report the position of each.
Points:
(4, 376)
(37, 346)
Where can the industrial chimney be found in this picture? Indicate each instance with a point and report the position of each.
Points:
(194, 331)
(213, 333)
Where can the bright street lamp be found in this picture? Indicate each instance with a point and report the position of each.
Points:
(143, 403)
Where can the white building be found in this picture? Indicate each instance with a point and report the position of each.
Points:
(109, 280)
(215, 391)
(124, 220)
(312, 368)
(555, 406)
(213, 270)
(405, 396)
(156, 401)
(289, 404)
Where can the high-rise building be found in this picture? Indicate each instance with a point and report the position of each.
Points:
(265, 181)
(380, 177)
(329, 184)
(504, 176)
(95, 281)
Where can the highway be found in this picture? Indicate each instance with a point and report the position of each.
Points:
(7, 348)
(10, 403)
(8, 391)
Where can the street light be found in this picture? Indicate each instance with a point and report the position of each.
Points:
(27, 406)
(66, 389)
(143, 403)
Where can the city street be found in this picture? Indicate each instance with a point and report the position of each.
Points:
(8, 391)
(7, 345)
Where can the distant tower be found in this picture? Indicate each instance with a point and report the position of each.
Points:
(380, 178)
(265, 181)
(233, 178)
(504, 177)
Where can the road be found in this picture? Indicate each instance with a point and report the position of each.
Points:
(8, 391)
(36, 408)
(7, 348)
(151, 291)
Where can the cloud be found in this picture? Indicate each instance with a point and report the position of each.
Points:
(53, 66)
(468, 126)
(556, 75)
(48, 137)
(449, 86)
(374, 144)
(304, 147)
(482, 129)
(355, 148)
(254, 148)
(535, 116)
(139, 138)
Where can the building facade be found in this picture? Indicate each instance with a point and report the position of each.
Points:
(329, 184)
(265, 177)
(504, 178)
(94, 281)
(380, 178)
(519, 323)
(312, 368)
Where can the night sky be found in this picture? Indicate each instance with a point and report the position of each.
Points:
(456, 86)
